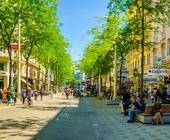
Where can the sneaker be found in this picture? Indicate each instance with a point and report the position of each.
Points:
(130, 121)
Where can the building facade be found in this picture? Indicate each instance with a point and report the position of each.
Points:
(36, 73)
(156, 59)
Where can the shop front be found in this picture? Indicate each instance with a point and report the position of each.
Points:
(157, 78)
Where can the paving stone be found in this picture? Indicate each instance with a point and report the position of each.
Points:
(142, 138)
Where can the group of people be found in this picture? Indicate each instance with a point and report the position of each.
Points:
(132, 105)
(8, 96)
(67, 92)
(29, 93)
(127, 99)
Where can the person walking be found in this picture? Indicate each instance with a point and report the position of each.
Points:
(51, 94)
(23, 95)
(66, 93)
(41, 93)
(35, 94)
(4, 95)
(14, 97)
(8, 97)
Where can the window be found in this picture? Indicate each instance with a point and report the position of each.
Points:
(168, 47)
(154, 56)
(169, 15)
(138, 63)
(144, 61)
(163, 31)
(131, 66)
(156, 33)
(135, 64)
(148, 58)
(163, 51)
(2, 64)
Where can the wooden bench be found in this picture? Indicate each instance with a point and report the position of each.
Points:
(146, 117)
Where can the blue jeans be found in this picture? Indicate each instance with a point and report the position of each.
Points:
(133, 113)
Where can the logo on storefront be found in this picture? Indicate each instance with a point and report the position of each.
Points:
(158, 72)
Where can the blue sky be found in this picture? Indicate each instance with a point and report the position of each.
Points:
(77, 17)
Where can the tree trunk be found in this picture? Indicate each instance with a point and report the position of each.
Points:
(45, 79)
(10, 68)
(105, 82)
(121, 67)
(27, 66)
(110, 81)
(142, 48)
(101, 84)
(38, 76)
(93, 81)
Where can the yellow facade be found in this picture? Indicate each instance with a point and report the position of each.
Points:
(32, 70)
(133, 62)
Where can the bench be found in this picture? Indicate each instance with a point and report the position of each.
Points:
(146, 117)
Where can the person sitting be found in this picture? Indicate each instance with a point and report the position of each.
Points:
(138, 107)
(125, 102)
(157, 112)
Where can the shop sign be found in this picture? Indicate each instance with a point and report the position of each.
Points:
(14, 46)
(158, 72)
(124, 74)
(150, 80)
(128, 82)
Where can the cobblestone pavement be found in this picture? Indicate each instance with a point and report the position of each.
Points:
(110, 121)
(93, 120)
(90, 119)
(20, 123)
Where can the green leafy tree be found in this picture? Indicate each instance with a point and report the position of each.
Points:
(9, 15)
(141, 16)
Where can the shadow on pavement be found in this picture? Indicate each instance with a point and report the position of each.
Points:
(17, 127)
(51, 131)
(41, 108)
